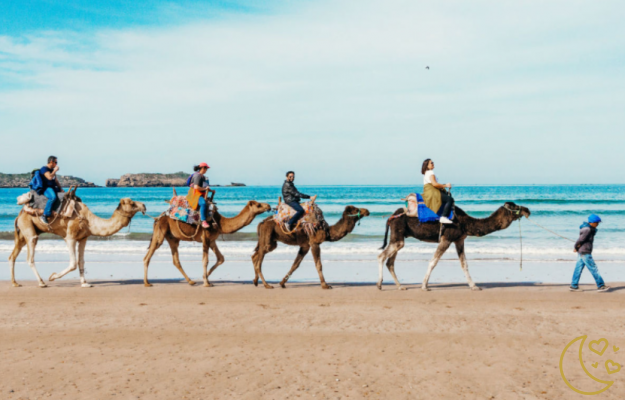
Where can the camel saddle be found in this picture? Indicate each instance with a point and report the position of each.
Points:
(415, 207)
(310, 222)
(180, 210)
(64, 204)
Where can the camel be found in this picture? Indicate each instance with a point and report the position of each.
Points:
(464, 225)
(74, 230)
(269, 234)
(174, 231)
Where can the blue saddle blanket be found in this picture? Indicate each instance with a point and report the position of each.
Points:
(427, 215)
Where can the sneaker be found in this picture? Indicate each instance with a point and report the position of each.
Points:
(205, 225)
(287, 227)
(44, 219)
(603, 289)
(575, 289)
(445, 220)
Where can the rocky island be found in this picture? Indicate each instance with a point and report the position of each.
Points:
(22, 181)
(155, 180)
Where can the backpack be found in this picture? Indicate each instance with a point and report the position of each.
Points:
(189, 179)
(36, 183)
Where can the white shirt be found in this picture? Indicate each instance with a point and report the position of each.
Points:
(427, 177)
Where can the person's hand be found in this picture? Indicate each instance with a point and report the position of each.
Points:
(54, 171)
(312, 199)
(574, 250)
(448, 185)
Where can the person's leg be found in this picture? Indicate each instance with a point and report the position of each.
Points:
(298, 214)
(579, 267)
(203, 208)
(448, 202)
(594, 270)
(50, 194)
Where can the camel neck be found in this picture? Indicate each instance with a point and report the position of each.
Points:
(343, 227)
(234, 224)
(106, 227)
(497, 221)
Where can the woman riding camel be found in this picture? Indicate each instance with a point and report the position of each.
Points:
(198, 189)
(434, 194)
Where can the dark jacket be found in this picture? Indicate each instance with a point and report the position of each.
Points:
(290, 193)
(586, 238)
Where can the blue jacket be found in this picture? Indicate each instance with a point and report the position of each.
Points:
(586, 239)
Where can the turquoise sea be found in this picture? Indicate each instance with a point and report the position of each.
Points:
(561, 208)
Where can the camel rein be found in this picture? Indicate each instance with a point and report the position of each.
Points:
(518, 212)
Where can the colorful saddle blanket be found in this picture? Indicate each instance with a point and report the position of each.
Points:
(310, 222)
(179, 209)
(415, 207)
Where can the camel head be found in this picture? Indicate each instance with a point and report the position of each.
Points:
(517, 211)
(128, 208)
(355, 212)
(258, 208)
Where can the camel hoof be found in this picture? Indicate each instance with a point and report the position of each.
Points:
(52, 277)
(255, 282)
(425, 288)
(86, 285)
(207, 284)
(401, 288)
(15, 284)
(43, 285)
(326, 287)
(147, 284)
(283, 285)
(379, 287)
(268, 287)
(191, 283)
(476, 288)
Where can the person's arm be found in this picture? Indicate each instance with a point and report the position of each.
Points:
(51, 175)
(583, 238)
(58, 184)
(437, 185)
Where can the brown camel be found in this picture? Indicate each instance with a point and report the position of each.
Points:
(174, 231)
(269, 234)
(464, 225)
(74, 230)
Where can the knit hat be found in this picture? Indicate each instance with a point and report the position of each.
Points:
(593, 218)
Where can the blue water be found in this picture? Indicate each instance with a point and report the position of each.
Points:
(561, 208)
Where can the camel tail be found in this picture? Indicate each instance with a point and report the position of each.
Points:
(388, 226)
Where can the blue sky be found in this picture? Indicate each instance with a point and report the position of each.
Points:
(517, 92)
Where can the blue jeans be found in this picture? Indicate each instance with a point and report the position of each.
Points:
(582, 261)
(51, 195)
(203, 208)
(298, 215)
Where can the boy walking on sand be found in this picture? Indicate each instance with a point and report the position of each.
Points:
(583, 247)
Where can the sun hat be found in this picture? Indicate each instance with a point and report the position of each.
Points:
(203, 165)
(594, 218)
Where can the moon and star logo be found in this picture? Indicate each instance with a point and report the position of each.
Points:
(598, 347)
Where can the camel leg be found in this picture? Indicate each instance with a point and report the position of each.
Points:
(71, 246)
(157, 240)
(440, 250)
(389, 253)
(465, 265)
(258, 264)
(316, 252)
(220, 260)
(20, 242)
(32, 243)
(173, 245)
(205, 247)
(390, 264)
(298, 260)
(81, 262)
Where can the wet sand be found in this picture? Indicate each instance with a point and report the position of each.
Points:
(120, 340)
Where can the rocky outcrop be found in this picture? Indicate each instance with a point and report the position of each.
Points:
(177, 179)
(22, 181)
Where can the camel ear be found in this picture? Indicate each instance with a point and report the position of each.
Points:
(350, 209)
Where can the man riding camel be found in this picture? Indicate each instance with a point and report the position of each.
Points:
(51, 186)
(292, 197)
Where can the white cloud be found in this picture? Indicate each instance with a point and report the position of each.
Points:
(336, 90)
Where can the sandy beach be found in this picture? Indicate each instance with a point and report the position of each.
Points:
(120, 340)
